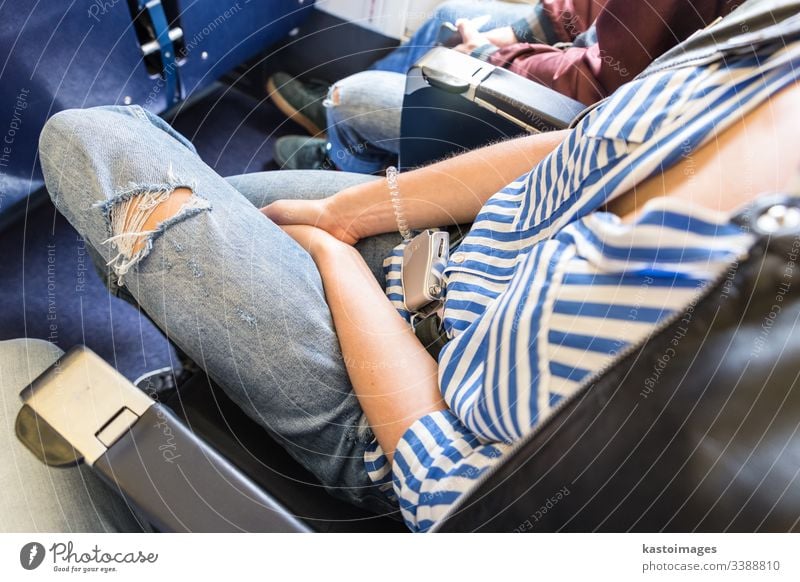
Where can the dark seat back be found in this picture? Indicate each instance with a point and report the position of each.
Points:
(696, 430)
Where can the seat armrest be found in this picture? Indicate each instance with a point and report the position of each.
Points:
(529, 104)
(177, 480)
(455, 103)
(532, 106)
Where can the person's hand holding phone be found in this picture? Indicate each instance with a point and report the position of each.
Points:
(502, 37)
(471, 37)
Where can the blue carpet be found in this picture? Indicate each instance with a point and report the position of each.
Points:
(49, 289)
(233, 132)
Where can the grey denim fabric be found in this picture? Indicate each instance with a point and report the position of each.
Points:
(37, 498)
(223, 282)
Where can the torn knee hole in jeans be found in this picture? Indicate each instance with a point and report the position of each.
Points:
(334, 97)
(130, 216)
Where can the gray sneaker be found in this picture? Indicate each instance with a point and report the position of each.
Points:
(297, 152)
(300, 101)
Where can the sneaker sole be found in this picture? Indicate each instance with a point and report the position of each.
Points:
(289, 111)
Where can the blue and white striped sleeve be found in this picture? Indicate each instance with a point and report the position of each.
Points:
(489, 373)
(436, 461)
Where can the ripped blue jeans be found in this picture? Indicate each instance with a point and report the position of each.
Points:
(223, 282)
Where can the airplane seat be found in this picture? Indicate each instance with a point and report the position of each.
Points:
(192, 462)
(711, 446)
(455, 103)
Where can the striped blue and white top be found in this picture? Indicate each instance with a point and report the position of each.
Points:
(546, 289)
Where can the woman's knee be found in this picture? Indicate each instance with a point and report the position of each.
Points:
(338, 103)
(77, 127)
(72, 143)
(74, 135)
(118, 215)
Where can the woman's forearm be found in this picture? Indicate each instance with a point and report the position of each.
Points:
(394, 378)
(449, 192)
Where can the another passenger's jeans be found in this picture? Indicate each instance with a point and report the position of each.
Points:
(223, 282)
(364, 109)
(424, 39)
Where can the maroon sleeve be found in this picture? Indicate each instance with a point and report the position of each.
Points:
(571, 71)
(569, 18)
(630, 34)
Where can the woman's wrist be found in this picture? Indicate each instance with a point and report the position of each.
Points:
(364, 209)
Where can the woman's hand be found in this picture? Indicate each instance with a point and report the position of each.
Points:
(393, 376)
(320, 214)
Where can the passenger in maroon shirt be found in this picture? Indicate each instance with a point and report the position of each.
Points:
(593, 46)
(584, 49)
